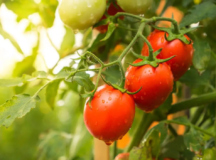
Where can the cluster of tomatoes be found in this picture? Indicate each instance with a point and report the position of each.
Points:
(112, 112)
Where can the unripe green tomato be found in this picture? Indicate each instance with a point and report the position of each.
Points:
(135, 6)
(81, 14)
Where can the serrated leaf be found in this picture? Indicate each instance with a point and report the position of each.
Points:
(16, 107)
(53, 145)
(199, 12)
(51, 92)
(11, 39)
(111, 29)
(202, 54)
(84, 80)
(68, 41)
(194, 141)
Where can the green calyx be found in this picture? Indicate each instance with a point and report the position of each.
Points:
(174, 34)
(153, 61)
(123, 90)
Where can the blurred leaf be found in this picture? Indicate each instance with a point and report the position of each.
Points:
(81, 145)
(84, 80)
(112, 74)
(23, 8)
(11, 82)
(16, 107)
(111, 29)
(68, 41)
(47, 11)
(193, 78)
(25, 78)
(175, 148)
(199, 12)
(11, 39)
(51, 92)
(209, 154)
(194, 141)
(202, 54)
(53, 145)
(180, 120)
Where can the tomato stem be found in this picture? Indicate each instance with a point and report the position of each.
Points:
(151, 55)
(193, 102)
(114, 149)
(141, 129)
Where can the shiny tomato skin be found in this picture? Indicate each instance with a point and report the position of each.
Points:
(135, 6)
(111, 114)
(81, 14)
(183, 53)
(156, 83)
(112, 10)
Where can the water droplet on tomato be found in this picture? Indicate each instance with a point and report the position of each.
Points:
(144, 93)
(109, 98)
(125, 121)
(120, 137)
(98, 95)
(109, 143)
(101, 137)
(160, 82)
(96, 123)
(142, 97)
(75, 31)
(103, 101)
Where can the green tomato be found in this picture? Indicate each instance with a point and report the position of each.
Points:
(81, 14)
(135, 6)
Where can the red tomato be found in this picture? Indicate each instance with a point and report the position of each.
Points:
(183, 52)
(156, 83)
(112, 10)
(111, 115)
(123, 156)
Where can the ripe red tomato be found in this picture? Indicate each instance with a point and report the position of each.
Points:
(123, 156)
(112, 10)
(156, 83)
(111, 115)
(183, 52)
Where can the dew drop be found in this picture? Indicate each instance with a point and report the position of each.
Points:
(120, 137)
(109, 143)
(142, 97)
(96, 123)
(103, 101)
(101, 137)
(109, 98)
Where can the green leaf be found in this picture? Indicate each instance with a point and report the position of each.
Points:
(199, 12)
(51, 92)
(47, 11)
(16, 107)
(113, 74)
(23, 8)
(11, 82)
(202, 54)
(209, 154)
(194, 141)
(193, 78)
(67, 42)
(111, 29)
(11, 39)
(84, 80)
(54, 145)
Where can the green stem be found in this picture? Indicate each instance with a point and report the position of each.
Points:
(119, 14)
(141, 129)
(122, 75)
(115, 149)
(151, 55)
(41, 89)
(139, 32)
(187, 104)
(96, 58)
(174, 22)
(172, 130)
(98, 78)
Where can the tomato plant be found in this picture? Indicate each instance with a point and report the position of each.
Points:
(112, 10)
(81, 87)
(136, 7)
(183, 53)
(81, 14)
(156, 84)
(110, 115)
